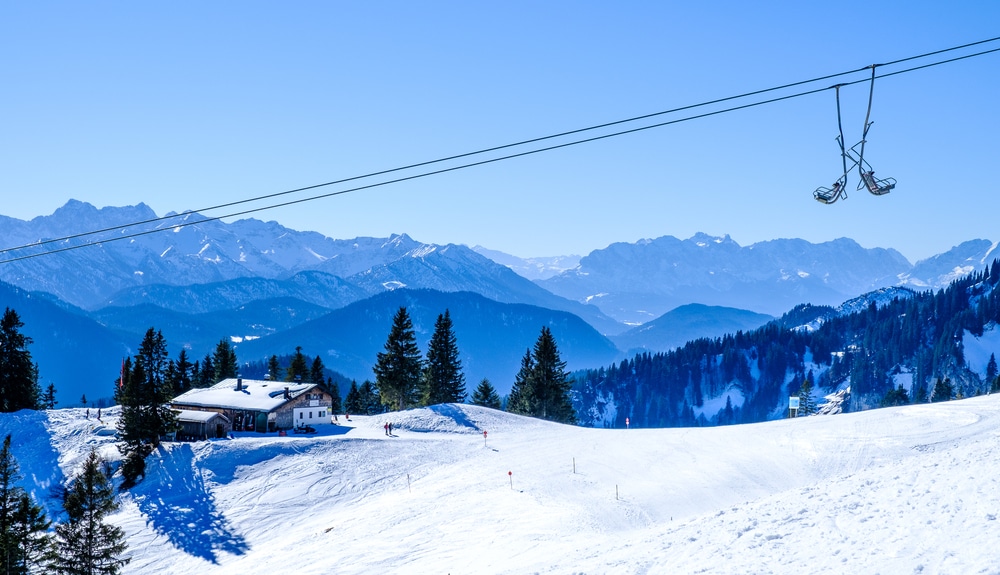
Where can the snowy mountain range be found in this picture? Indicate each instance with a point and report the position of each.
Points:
(258, 282)
(635, 283)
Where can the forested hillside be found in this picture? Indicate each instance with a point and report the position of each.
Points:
(892, 347)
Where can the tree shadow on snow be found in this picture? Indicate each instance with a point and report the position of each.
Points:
(452, 412)
(174, 499)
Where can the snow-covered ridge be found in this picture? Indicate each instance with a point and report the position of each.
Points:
(877, 491)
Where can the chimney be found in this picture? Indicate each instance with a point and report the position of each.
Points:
(287, 396)
(239, 384)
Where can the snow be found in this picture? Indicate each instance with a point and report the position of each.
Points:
(253, 394)
(913, 489)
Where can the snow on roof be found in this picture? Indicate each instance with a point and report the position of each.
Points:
(255, 394)
(197, 416)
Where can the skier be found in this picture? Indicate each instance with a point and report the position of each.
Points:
(390, 429)
(386, 427)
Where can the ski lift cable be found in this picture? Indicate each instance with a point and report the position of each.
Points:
(485, 150)
(437, 161)
(463, 166)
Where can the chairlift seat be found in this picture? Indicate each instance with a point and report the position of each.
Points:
(875, 185)
(828, 195)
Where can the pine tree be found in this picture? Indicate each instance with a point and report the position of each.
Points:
(206, 376)
(442, 379)
(943, 390)
(30, 529)
(369, 399)
(19, 387)
(551, 382)
(397, 369)
(353, 403)
(806, 404)
(274, 371)
(486, 395)
(298, 369)
(519, 401)
(542, 386)
(991, 371)
(224, 359)
(183, 376)
(316, 372)
(335, 402)
(86, 544)
(24, 538)
(49, 397)
(145, 398)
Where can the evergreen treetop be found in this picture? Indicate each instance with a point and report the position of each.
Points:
(398, 368)
(486, 395)
(443, 380)
(542, 387)
(86, 544)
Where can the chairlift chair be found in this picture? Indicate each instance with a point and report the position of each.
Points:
(876, 186)
(833, 193)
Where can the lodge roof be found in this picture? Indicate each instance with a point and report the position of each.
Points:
(191, 416)
(249, 394)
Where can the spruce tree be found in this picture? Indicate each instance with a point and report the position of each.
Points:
(991, 371)
(316, 372)
(224, 359)
(30, 529)
(19, 387)
(806, 404)
(542, 386)
(353, 403)
(370, 402)
(486, 395)
(206, 376)
(49, 397)
(274, 371)
(443, 380)
(145, 398)
(397, 369)
(183, 376)
(551, 382)
(335, 403)
(298, 369)
(24, 539)
(86, 545)
(519, 400)
(943, 390)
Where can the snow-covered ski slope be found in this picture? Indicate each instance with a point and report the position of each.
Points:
(903, 490)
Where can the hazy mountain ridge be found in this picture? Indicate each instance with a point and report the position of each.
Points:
(254, 279)
(640, 281)
(492, 336)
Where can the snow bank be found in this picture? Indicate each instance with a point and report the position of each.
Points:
(900, 490)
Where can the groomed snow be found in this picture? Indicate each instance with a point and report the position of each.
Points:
(913, 489)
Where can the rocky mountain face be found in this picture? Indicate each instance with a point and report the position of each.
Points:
(637, 282)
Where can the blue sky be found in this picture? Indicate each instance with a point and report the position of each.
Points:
(185, 105)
